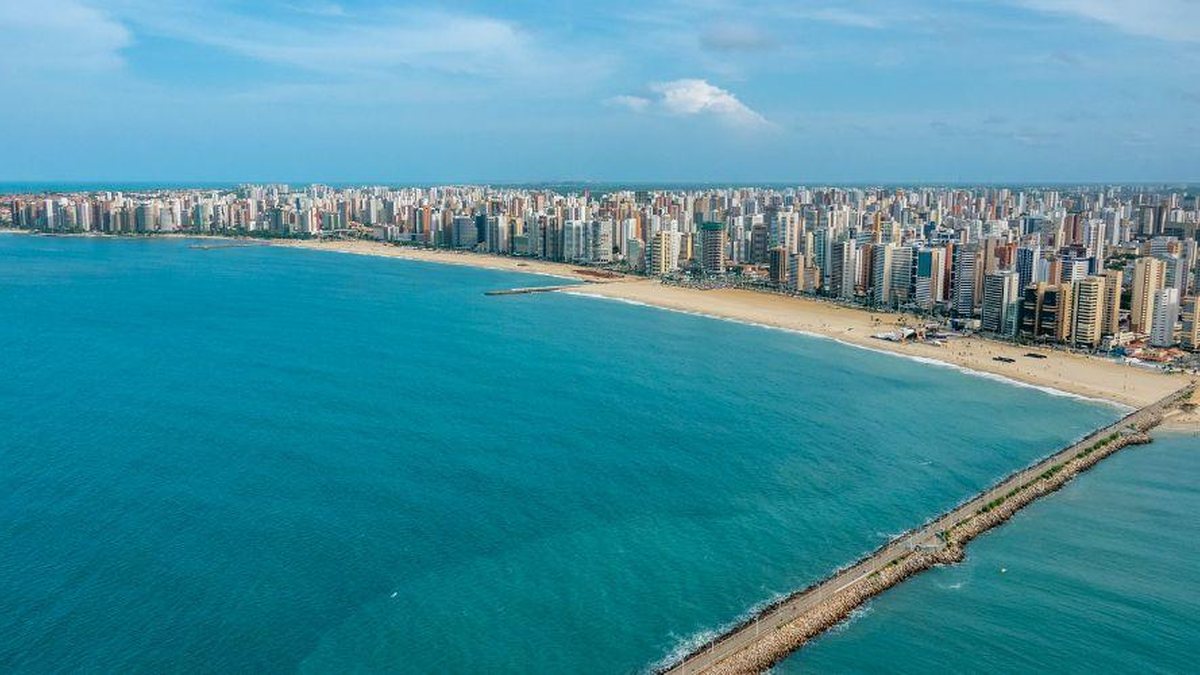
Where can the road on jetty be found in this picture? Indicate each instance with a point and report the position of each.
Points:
(826, 603)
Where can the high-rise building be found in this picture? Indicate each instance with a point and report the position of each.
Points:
(1110, 324)
(967, 263)
(1055, 314)
(779, 266)
(929, 277)
(1190, 339)
(843, 264)
(663, 254)
(1031, 305)
(759, 243)
(1149, 276)
(1029, 265)
(1001, 302)
(882, 256)
(1166, 313)
(712, 247)
(1088, 312)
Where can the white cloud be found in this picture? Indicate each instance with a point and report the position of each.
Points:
(1174, 20)
(844, 17)
(634, 103)
(692, 97)
(379, 43)
(59, 35)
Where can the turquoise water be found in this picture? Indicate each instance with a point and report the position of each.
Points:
(1101, 578)
(270, 460)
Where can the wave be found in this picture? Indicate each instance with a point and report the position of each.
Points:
(912, 357)
(690, 644)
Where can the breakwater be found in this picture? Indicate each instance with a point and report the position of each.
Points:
(530, 289)
(763, 640)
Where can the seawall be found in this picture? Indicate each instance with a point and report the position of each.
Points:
(786, 625)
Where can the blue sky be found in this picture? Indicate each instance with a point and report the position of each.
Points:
(696, 90)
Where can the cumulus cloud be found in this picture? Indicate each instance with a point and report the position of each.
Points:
(1174, 20)
(695, 97)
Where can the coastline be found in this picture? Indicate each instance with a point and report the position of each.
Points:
(444, 257)
(1062, 373)
(1059, 372)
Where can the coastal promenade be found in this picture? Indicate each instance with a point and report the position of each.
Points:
(774, 632)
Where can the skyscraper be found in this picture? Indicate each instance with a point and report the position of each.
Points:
(779, 266)
(1149, 276)
(1001, 302)
(1029, 264)
(967, 262)
(881, 273)
(1191, 325)
(712, 247)
(1088, 312)
(842, 269)
(1111, 321)
(1166, 312)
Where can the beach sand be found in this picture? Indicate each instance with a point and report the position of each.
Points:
(446, 257)
(1077, 374)
(1074, 373)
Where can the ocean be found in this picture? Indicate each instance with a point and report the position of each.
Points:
(262, 459)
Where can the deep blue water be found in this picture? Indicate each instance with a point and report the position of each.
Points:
(1100, 578)
(266, 459)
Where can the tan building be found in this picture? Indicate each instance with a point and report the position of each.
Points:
(1191, 325)
(1087, 314)
(1110, 323)
(1149, 277)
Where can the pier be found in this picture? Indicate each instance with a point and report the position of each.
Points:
(531, 289)
(760, 642)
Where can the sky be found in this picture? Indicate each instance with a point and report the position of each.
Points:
(621, 90)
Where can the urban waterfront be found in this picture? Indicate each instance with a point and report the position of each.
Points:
(391, 469)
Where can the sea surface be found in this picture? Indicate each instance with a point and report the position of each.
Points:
(270, 460)
(1100, 578)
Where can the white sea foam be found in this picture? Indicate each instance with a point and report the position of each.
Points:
(685, 646)
(855, 614)
(912, 357)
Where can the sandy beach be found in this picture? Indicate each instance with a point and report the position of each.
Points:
(1092, 377)
(1077, 374)
(443, 256)
(1074, 373)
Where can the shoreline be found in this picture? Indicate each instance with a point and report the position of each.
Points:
(1059, 373)
(937, 363)
(804, 615)
(489, 261)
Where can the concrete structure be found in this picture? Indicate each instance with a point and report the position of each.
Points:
(1087, 314)
(1190, 339)
(1149, 277)
(713, 240)
(1001, 302)
(763, 640)
(1166, 314)
(1111, 322)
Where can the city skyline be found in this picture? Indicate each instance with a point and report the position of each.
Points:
(1047, 91)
